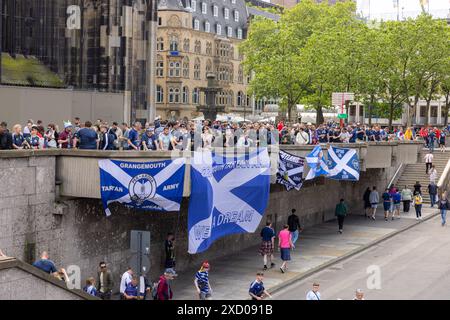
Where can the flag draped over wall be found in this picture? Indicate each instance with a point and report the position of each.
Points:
(229, 195)
(290, 170)
(343, 164)
(316, 161)
(156, 186)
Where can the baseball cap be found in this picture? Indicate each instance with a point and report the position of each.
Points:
(151, 129)
(170, 272)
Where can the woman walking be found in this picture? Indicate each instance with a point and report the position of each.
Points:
(285, 245)
(444, 205)
(406, 198)
(418, 205)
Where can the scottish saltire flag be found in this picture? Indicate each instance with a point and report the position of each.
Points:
(154, 186)
(229, 194)
(343, 164)
(316, 161)
(290, 170)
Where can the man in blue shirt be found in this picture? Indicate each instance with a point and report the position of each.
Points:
(257, 290)
(44, 264)
(322, 133)
(267, 244)
(134, 140)
(149, 140)
(86, 138)
(132, 290)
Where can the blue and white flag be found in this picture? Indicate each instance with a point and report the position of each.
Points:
(156, 186)
(343, 164)
(290, 170)
(229, 194)
(316, 161)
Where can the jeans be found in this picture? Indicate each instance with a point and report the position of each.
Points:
(431, 145)
(418, 210)
(294, 236)
(443, 215)
(433, 199)
(341, 222)
(406, 204)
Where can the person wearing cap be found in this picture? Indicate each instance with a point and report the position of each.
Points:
(164, 291)
(149, 140)
(257, 290)
(65, 137)
(201, 282)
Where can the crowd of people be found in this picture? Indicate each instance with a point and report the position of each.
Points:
(191, 135)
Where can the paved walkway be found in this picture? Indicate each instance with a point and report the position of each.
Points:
(231, 276)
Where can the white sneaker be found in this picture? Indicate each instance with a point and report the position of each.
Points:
(417, 218)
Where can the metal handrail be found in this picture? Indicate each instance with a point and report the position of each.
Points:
(395, 175)
(445, 177)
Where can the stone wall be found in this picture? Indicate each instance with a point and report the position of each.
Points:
(76, 231)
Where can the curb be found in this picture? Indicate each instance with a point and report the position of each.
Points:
(325, 265)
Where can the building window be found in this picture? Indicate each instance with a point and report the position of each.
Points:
(204, 8)
(159, 66)
(159, 21)
(174, 43)
(186, 45)
(236, 15)
(194, 5)
(159, 94)
(197, 69)
(207, 27)
(229, 32)
(433, 111)
(239, 33)
(186, 67)
(160, 44)
(215, 11)
(209, 48)
(226, 13)
(240, 99)
(195, 96)
(240, 74)
(208, 67)
(174, 69)
(219, 29)
(198, 47)
(196, 24)
(185, 95)
(174, 95)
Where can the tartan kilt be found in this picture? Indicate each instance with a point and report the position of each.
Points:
(266, 248)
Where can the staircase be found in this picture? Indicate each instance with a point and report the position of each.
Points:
(416, 172)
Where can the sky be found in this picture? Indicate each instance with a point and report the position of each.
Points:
(385, 9)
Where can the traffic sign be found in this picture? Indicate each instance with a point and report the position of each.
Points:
(342, 116)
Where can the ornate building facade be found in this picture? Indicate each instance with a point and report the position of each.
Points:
(194, 38)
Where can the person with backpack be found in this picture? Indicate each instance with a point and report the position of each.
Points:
(163, 290)
(418, 205)
(201, 282)
(444, 205)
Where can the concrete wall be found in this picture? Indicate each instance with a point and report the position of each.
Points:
(57, 105)
(76, 231)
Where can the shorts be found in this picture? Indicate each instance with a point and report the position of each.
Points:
(374, 205)
(285, 254)
(205, 295)
(396, 206)
(386, 206)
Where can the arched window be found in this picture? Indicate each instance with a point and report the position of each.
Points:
(185, 95)
(231, 98)
(196, 24)
(197, 69)
(204, 8)
(240, 74)
(195, 96)
(209, 48)
(186, 45)
(160, 44)
(198, 47)
(240, 99)
(215, 11)
(186, 67)
(208, 66)
(159, 94)
(174, 69)
(173, 42)
(159, 66)
(174, 95)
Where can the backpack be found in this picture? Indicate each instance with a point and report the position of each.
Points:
(417, 199)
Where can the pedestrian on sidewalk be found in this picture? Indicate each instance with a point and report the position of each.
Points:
(267, 244)
(374, 199)
(433, 174)
(294, 227)
(340, 212)
(396, 199)
(442, 141)
(417, 188)
(418, 205)
(169, 248)
(124, 281)
(444, 205)
(366, 199)
(359, 295)
(132, 290)
(201, 282)
(314, 294)
(386, 203)
(257, 290)
(406, 196)
(164, 289)
(285, 245)
(428, 161)
(104, 282)
(432, 190)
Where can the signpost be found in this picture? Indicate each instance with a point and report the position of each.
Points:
(339, 99)
(140, 250)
